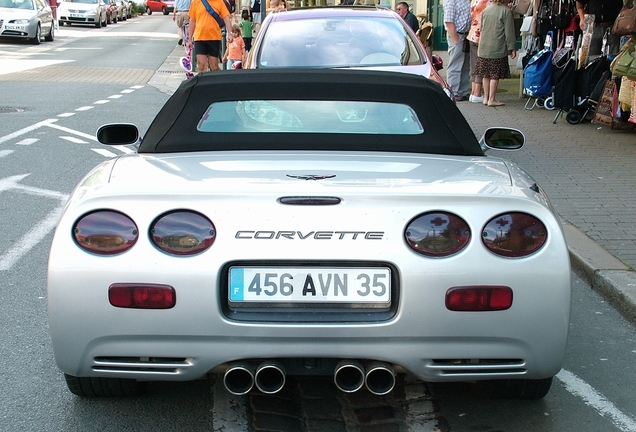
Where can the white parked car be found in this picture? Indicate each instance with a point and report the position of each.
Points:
(26, 19)
(326, 221)
(88, 12)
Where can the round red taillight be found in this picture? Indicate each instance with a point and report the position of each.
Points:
(182, 232)
(437, 234)
(105, 232)
(514, 234)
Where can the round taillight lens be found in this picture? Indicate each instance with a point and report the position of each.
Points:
(182, 232)
(105, 232)
(514, 234)
(437, 234)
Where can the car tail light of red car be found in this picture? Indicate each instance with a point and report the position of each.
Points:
(478, 298)
(105, 232)
(182, 232)
(514, 234)
(437, 234)
(142, 296)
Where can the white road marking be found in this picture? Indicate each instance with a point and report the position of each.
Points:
(66, 114)
(105, 34)
(5, 153)
(229, 411)
(30, 239)
(115, 96)
(45, 193)
(84, 108)
(104, 152)
(137, 87)
(40, 230)
(27, 129)
(77, 49)
(73, 140)
(27, 141)
(11, 182)
(101, 102)
(71, 131)
(127, 91)
(8, 66)
(596, 400)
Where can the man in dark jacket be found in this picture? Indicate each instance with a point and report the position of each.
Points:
(605, 12)
(403, 10)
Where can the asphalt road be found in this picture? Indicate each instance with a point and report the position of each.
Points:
(48, 117)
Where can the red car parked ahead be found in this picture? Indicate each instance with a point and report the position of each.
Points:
(163, 6)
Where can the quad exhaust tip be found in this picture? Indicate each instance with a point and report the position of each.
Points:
(239, 378)
(379, 378)
(270, 377)
(349, 376)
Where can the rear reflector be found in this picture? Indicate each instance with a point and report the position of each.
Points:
(142, 296)
(478, 298)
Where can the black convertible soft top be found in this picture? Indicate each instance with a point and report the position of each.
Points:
(445, 128)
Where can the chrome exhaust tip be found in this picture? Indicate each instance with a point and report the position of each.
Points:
(348, 376)
(270, 377)
(239, 378)
(379, 378)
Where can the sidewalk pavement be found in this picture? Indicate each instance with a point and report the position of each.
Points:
(588, 171)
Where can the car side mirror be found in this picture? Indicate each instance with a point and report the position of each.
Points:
(500, 138)
(438, 63)
(118, 134)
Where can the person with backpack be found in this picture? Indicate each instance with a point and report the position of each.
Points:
(207, 18)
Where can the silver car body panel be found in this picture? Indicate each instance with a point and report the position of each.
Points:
(379, 192)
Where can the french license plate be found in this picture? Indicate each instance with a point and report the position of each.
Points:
(12, 27)
(363, 285)
(76, 15)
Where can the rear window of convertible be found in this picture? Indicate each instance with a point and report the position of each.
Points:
(302, 116)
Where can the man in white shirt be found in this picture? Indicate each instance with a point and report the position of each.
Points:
(457, 19)
(180, 16)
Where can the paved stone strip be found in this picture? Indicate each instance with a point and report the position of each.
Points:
(101, 75)
(314, 404)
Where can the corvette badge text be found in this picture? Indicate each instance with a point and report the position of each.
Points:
(316, 235)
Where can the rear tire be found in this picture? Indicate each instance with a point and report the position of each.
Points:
(148, 11)
(524, 389)
(165, 11)
(102, 387)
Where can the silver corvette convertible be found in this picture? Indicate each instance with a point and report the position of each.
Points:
(325, 222)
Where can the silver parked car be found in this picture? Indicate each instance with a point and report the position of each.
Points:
(26, 19)
(281, 222)
(89, 12)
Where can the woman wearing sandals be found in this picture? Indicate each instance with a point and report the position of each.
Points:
(496, 43)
